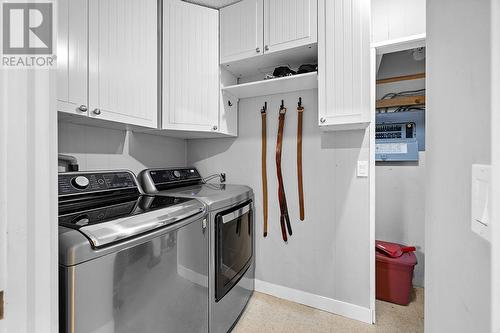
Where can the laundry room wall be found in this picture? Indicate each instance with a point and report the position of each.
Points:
(458, 270)
(329, 253)
(99, 148)
(400, 186)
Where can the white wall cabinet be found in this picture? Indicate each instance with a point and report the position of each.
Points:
(109, 48)
(344, 74)
(72, 45)
(255, 27)
(241, 30)
(123, 47)
(108, 65)
(395, 19)
(289, 24)
(190, 67)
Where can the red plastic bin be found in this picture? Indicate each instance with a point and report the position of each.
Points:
(394, 277)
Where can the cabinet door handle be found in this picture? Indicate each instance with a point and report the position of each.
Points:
(322, 120)
(83, 108)
(97, 112)
(214, 128)
(257, 50)
(266, 48)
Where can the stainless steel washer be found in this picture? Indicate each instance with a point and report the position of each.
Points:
(231, 225)
(130, 262)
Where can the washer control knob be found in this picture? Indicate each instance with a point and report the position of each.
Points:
(177, 174)
(80, 182)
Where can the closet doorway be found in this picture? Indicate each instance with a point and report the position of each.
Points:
(398, 189)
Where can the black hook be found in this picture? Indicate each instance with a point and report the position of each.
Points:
(282, 104)
(229, 103)
(300, 102)
(264, 108)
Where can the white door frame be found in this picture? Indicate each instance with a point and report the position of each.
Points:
(377, 50)
(374, 67)
(495, 166)
(28, 200)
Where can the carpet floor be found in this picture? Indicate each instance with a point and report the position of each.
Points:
(266, 313)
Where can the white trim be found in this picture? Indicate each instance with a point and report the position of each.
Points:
(495, 166)
(28, 201)
(399, 44)
(319, 302)
(376, 51)
(373, 87)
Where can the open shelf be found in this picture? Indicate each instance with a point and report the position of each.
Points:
(400, 101)
(274, 86)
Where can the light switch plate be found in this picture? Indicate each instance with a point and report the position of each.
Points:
(362, 169)
(481, 200)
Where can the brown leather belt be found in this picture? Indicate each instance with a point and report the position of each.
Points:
(300, 110)
(264, 165)
(284, 218)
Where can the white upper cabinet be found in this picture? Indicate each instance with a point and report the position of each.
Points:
(123, 71)
(72, 56)
(241, 30)
(395, 19)
(289, 24)
(255, 27)
(190, 67)
(344, 69)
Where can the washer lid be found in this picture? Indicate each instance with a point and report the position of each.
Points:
(104, 223)
(215, 196)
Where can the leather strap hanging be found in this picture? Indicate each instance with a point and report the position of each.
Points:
(264, 166)
(300, 110)
(284, 218)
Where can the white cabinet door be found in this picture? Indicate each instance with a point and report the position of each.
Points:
(190, 67)
(344, 64)
(72, 56)
(123, 77)
(394, 19)
(289, 24)
(241, 30)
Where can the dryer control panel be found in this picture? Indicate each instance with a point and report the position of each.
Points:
(154, 180)
(164, 176)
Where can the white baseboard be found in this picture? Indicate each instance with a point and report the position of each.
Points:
(319, 302)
